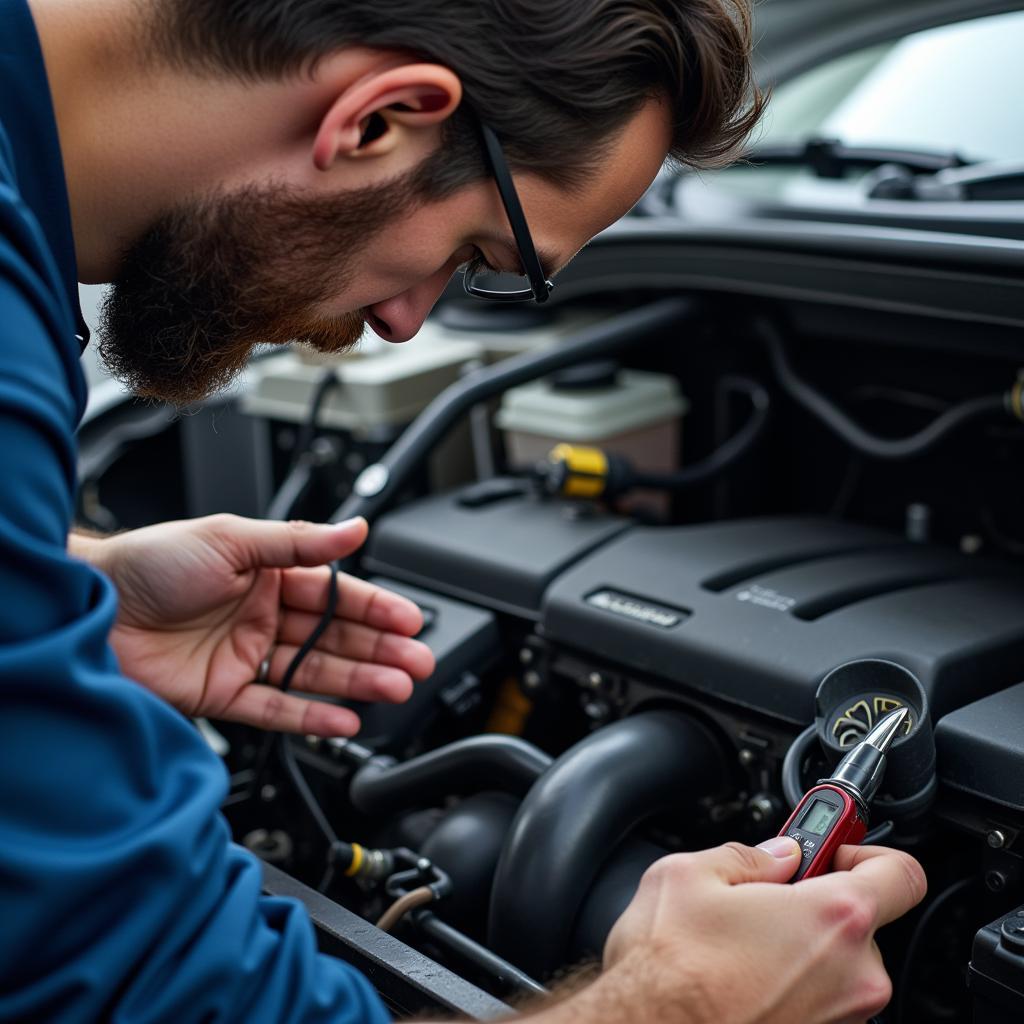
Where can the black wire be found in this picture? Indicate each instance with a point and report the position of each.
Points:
(324, 386)
(850, 431)
(917, 937)
(292, 489)
(728, 453)
(293, 666)
(300, 469)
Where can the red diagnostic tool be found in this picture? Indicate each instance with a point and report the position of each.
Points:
(836, 810)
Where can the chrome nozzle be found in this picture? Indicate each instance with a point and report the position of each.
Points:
(883, 735)
(860, 771)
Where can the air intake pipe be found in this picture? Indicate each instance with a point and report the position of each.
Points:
(490, 761)
(576, 815)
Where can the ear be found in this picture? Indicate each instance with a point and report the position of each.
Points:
(370, 117)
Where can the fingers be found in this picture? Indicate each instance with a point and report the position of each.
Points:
(306, 590)
(332, 676)
(257, 543)
(895, 880)
(361, 643)
(267, 708)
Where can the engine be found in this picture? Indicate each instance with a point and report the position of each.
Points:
(637, 657)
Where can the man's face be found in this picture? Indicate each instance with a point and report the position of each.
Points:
(273, 263)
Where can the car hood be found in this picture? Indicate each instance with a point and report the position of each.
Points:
(796, 35)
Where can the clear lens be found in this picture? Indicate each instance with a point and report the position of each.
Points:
(504, 284)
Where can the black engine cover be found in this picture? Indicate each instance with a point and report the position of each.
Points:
(756, 612)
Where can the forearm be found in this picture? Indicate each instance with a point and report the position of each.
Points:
(628, 991)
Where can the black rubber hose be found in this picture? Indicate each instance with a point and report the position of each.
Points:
(727, 454)
(849, 430)
(490, 761)
(792, 782)
(577, 814)
(378, 485)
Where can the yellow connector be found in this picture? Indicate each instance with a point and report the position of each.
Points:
(585, 470)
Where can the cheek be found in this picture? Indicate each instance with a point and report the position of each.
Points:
(392, 264)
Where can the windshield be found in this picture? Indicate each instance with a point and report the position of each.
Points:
(956, 88)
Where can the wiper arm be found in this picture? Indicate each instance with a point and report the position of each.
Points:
(830, 158)
(993, 181)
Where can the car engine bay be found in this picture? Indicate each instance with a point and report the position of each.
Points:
(658, 647)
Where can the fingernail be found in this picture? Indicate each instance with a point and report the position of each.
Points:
(780, 846)
(347, 524)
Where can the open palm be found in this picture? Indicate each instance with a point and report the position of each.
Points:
(203, 602)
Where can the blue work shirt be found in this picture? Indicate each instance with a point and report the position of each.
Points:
(122, 897)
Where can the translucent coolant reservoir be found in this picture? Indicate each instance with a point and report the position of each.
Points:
(632, 413)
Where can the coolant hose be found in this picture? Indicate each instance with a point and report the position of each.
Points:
(575, 816)
(490, 761)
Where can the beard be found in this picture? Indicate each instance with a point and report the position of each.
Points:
(216, 277)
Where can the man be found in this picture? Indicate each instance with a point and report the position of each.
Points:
(262, 171)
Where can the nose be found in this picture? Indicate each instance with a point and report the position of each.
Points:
(399, 318)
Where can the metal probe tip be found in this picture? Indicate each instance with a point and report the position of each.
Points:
(883, 735)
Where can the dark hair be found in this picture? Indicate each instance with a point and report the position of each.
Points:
(555, 79)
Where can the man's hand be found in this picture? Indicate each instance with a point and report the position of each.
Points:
(204, 601)
(713, 937)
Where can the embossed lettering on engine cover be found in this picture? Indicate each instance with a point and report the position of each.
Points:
(637, 608)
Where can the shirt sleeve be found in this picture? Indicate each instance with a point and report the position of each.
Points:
(123, 897)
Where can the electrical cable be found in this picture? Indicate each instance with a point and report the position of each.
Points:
(351, 858)
(302, 465)
(324, 386)
(340, 849)
(851, 432)
(410, 901)
(293, 666)
(917, 937)
(726, 454)
(577, 471)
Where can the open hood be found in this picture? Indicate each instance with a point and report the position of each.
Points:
(795, 35)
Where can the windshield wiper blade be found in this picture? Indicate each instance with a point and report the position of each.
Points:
(831, 158)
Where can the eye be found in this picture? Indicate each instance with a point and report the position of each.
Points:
(478, 263)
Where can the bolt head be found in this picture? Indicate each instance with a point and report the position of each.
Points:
(996, 839)
(531, 680)
(595, 680)
(525, 656)
(746, 757)
(268, 793)
(995, 881)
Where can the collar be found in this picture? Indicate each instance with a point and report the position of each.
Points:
(27, 116)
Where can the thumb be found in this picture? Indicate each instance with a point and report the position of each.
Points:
(265, 543)
(774, 860)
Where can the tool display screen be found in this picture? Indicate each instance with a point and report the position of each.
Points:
(819, 817)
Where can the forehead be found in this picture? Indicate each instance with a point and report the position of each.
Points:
(562, 222)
